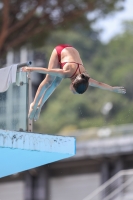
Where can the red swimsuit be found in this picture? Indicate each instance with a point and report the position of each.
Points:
(59, 49)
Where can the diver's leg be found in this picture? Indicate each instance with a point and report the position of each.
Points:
(45, 84)
(46, 95)
(53, 63)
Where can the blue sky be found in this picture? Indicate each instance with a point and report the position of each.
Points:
(112, 23)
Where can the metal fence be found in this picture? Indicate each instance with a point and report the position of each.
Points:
(119, 187)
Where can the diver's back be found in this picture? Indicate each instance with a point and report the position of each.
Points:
(70, 54)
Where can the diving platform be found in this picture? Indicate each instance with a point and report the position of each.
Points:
(20, 151)
(20, 148)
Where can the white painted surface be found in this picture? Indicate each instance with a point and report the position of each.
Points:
(74, 187)
(37, 142)
(12, 190)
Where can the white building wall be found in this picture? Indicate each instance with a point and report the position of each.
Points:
(74, 187)
(12, 190)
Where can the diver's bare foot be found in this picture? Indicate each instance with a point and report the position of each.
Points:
(32, 111)
(31, 108)
(37, 113)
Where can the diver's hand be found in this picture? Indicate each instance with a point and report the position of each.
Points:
(118, 89)
(26, 69)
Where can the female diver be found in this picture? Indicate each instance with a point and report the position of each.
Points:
(65, 62)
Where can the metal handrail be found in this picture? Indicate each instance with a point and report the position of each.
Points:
(107, 183)
(24, 64)
(115, 192)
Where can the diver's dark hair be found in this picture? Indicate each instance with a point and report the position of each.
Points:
(81, 83)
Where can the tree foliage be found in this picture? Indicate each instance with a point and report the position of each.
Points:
(31, 21)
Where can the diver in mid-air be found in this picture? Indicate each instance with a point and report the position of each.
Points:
(65, 62)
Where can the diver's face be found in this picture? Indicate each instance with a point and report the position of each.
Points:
(72, 89)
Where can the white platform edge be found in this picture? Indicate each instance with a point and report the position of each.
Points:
(37, 142)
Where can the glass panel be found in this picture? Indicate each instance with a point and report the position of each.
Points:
(14, 106)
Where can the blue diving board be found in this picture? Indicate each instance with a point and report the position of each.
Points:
(20, 151)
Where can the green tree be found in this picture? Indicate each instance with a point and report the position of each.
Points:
(31, 21)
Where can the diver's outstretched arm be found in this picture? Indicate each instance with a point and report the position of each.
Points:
(53, 72)
(104, 86)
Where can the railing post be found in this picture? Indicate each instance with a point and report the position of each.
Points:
(30, 122)
(36, 184)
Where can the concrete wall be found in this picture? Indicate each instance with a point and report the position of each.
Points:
(73, 187)
(12, 190)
